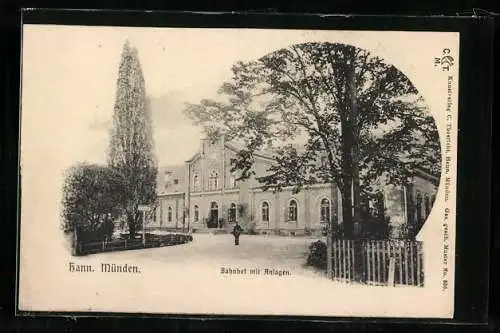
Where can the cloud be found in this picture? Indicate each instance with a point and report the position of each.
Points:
(99, 124)
(167, 110)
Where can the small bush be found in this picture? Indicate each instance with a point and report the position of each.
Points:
(250, 228)
(317, 255)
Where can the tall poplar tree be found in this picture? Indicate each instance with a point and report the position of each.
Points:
(131, 149)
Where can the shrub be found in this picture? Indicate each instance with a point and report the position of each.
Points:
(250, 228)
(317, 255)
(92, 199)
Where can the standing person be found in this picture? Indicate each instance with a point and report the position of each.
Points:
(237, 230)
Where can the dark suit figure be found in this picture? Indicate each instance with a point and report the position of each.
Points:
(237, 230)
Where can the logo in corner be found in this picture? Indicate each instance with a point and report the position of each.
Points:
(446, 61)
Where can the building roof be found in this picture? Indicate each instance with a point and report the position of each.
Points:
(178, 172)
(171, 179)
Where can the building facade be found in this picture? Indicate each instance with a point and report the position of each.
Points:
(204, 193)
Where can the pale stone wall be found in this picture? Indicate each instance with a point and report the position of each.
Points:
(247, 195)
(425, 188)
(394, 203)
(176, 203)
(308, 209)
(401, 204)
(204, 201)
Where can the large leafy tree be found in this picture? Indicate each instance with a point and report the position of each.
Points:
(92, 196)
(361, 121)
(131, 150)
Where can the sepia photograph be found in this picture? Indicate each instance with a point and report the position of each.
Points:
(238, 171)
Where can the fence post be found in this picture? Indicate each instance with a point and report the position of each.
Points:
(420, 277)
(412, 262)
(329, 251)
(333, 259)
(392, 271)
(369, 272)
(377, 259)
(400, 251)
(143, 228)
(359, 274)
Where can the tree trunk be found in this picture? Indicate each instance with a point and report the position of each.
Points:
(354, 117)
(75, 241)
(356, 202)
(132, 224)
(347, 209)
(347, 216)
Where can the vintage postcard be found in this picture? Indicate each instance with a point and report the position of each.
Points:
(238, 171)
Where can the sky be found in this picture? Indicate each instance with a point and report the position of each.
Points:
(69, 78)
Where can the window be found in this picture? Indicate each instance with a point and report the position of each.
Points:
(265, 212)
(292, 211)
(169, 216)
(427, 205)
(213, 180)
(325, 210)
(379, 211)
(324, 161)
(232, 213)
(418, 207)
(196, 182)
(176, 181)
(196, 213)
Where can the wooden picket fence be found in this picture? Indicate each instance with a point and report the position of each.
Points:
(378, 262)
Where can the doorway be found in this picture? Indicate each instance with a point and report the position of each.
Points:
(214, 215)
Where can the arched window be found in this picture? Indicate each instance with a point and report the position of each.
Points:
(427, 205)
(169, 216)
(231, 213)
(196, 213)
(292, 211)
(265, 212)
(418, 207)
(196, 182)
(213, 180)
(325, 210)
